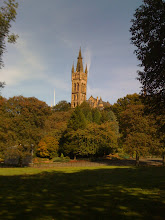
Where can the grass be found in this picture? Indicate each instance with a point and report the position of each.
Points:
(82, 193)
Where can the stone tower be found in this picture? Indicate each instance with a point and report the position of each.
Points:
(79, 83)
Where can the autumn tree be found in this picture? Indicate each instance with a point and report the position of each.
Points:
(148, 35)
(56, 123)
(7, 135)
(23, 121)
(47, 147)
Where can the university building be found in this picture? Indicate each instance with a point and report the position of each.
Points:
(79, 87)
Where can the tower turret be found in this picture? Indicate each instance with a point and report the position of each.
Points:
(73, 68)
(86, 70)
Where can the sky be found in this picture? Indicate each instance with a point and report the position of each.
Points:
(51, 33)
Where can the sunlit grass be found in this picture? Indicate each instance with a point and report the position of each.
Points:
(82, 193)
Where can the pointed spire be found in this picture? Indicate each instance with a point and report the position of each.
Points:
(79, 62)
(73, 68)
(86, 70)
(80, 53)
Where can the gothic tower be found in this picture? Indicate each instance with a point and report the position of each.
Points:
(79, 83)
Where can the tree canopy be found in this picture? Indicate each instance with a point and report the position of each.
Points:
(7, 15)
(148, 35)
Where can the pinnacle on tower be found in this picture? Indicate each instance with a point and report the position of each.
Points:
(79, 62)
(86, 70)
(73, 68)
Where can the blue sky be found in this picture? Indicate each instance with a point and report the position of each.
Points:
(50, 35)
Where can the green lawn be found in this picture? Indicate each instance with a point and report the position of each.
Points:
(82, 193)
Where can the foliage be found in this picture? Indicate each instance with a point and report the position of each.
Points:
(93, 140)
(139, 131)
(148, 35)
(77, 120)
(22, 121)
(56, 123)
(7, 15)
(123, 103)
(96, 116)
(61, 159)
(18, 155)
(62, 106)
(47, 147)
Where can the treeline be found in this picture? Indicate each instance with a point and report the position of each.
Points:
(29, 126)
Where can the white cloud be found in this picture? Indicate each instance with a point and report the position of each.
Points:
(121, 81)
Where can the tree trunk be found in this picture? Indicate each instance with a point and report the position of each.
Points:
(137, 159)
(74, 156)
(163, 161)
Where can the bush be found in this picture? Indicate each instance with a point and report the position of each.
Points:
(61, 159)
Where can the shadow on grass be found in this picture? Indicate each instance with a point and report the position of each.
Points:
(121, 193)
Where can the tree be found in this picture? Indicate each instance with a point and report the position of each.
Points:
(123, 103)
(93, 140)
(96, 116)
(23, 121)
(56, 123)
(77, 120)
(7, 15)
(138, 131)
(48, 147)
(148, 35)
(62, 106)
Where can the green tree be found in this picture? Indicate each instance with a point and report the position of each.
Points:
(123, 103)
(62, 106)
(139, 131)
(77, 120)
(93, 140)
(96, 116)
(7, 15)
(148, 35)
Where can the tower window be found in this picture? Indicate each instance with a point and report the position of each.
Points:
(77, 86)
(74, 86)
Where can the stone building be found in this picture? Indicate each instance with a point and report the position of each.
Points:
(79, 83)
(79, 87)
(97, 103)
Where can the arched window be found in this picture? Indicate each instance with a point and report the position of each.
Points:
(82, 87)
(74, 86)
(77, 86)
(74, 97)
(74, 104)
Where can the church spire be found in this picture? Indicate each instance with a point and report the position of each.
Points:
(79, 62)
